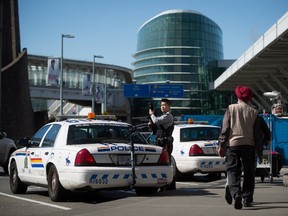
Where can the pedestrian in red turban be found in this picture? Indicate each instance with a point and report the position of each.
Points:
(244, 93)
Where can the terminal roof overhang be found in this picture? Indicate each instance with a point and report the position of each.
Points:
(263, 67)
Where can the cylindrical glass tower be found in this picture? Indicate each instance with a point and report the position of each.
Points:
(179, 46)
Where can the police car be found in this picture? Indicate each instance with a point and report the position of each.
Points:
(194, 150)
(88, 154)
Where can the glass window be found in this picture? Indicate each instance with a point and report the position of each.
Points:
(50, 137)
(199, 133)
(101, 133)
(36, 139)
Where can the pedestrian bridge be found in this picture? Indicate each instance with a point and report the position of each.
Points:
(110, 78)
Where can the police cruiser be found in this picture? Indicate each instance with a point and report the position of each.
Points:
(88, 154)
(194, 149)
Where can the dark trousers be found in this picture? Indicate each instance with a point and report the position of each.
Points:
(238, 158)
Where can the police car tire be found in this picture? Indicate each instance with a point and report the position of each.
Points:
(143, 191)
(16, 185)
(55, 190)
(176, 173)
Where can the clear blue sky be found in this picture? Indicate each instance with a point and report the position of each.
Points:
(109, 27)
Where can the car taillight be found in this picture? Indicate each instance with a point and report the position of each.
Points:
(84, 158)
(164, 158)
(195, 150)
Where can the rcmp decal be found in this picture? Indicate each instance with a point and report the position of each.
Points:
(67, 161)
(125, 148)
(36, 162)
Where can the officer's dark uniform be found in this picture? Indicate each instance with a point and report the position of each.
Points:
(164, 137)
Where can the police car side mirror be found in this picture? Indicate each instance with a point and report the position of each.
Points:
(24, 142)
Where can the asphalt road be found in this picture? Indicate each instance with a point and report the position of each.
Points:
(195, 196)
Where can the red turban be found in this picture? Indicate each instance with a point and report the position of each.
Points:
(243, 93)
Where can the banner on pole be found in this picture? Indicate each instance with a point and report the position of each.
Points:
(86, 85)
(53, 72)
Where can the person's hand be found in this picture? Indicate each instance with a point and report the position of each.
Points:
(150, 124)
(220, 151)
(151, 112)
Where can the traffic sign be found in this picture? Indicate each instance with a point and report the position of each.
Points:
(154, 90)
(166, 90)
(136, 91)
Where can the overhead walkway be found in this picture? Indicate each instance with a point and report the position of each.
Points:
(109, 78)
(263, 67)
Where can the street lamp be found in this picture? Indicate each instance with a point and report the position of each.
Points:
(61, 78)
(93, 81)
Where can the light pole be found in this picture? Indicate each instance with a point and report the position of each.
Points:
(93, 82)
(61, 78)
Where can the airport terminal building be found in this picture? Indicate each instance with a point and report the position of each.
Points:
(182, 47)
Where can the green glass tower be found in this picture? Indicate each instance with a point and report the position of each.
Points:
(180, 47)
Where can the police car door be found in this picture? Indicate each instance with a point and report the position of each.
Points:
(34, 163)
(46, 150)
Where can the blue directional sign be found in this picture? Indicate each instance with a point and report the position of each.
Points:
(154, 90)
(166, 90)
(136, 91)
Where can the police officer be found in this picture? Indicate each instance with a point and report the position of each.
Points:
(165, 125)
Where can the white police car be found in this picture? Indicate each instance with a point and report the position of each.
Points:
(194, 150)
(88, 154)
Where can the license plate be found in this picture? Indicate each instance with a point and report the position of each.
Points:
(124, 159)
(211, 150)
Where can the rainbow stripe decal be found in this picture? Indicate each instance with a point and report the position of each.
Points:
(36, 162)
(21, 153)
(103, 149)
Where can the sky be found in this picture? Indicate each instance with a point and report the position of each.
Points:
(109, 27)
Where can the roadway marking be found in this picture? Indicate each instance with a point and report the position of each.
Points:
(34, 201)
(187, 183)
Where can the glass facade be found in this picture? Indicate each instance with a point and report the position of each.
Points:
(114, 77)
(177, 46)
(73, 72)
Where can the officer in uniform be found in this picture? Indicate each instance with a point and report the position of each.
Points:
(165, 127)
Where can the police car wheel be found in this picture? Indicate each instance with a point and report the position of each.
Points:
(16, 185)
(55, 190)
(176, 173)
(143, 191)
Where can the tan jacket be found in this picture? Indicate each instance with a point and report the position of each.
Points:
(238, 125)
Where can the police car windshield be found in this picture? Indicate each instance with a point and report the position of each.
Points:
(101, 133)
(199, 133)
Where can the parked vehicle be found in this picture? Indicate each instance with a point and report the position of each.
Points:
(88, 154)
(194, 150)
(7, 146)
